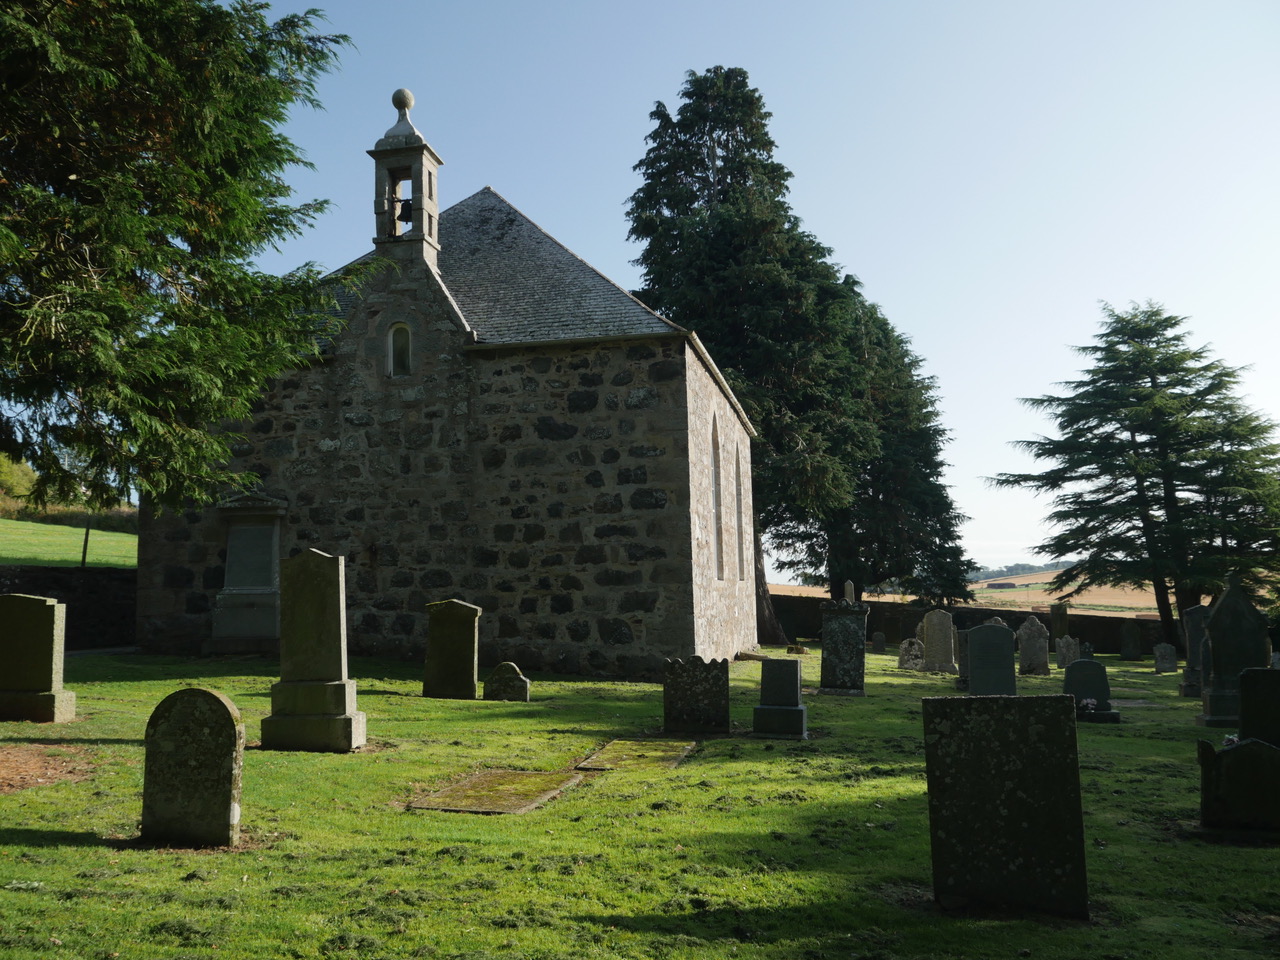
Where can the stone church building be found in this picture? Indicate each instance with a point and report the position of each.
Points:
(494, 422)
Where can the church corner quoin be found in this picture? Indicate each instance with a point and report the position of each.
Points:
(497, 423)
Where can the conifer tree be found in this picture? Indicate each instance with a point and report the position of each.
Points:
(1160, 474)
(141, 170)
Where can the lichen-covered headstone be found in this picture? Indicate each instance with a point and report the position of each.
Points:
(877, 641)
(962, 660)
(1238, 640)
(1191, 622)
(1239, 785)
(450, 669)
(844, 648)
(1067, 650)
(910, 654)
(695, 696)
(313, 707)
(1005, 820)
(781, 714)
(1086, 681)
(1166, 655)
(1260, 706)
(506, 682)
(191, 773)
(939, 642)
(34, 643)
(1033, 648)
(1131, 640)
(991, 669)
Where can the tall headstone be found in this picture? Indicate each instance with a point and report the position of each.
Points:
(1260, 706)
(1033, 648)
(506, 682)
(1239, 785)
(1166, 655)
(939, 642)
(991, 670)
(451, 667)
(191, 773)
(1086, 681)
(1058, 615)
(1191, 622)
(877, 641)
(910, 654)
(1131, 640)
(1237, 640)
(313, 707)
(962, 660)
(695, 696)
(1005, 819)
(844, 648)
(781, 714)
(31, 681)
(1067, 650)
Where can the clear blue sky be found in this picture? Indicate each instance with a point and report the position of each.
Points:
(990, 169)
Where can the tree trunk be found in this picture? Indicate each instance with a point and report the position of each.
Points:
(768, 629)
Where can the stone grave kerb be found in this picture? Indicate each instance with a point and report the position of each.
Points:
(451, 665)
(31, 688)
(313, 617)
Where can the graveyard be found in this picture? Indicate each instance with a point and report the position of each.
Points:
(747, 847)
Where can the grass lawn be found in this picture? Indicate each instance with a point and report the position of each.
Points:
(53, 545)
(749, 849)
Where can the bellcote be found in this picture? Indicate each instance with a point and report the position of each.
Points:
(406, 211)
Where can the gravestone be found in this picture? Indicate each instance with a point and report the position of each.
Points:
(1239, 785)
(1191, 623)
(1131, 640)
(695, 696)
(1057, 620)
(451, 667)
(1260, 706)
(1067, 650)
(877, 641)
(1086, 680)
(910, 654)
(1086, 650)
(1166, 655)
(962, 660)
(991, 670)
(780, 715)
(996, 621)
(34, 644)
(937, 634)
(1005, 821)
(1275, 660)
(844, 648)
(506, 682)
(1237, 640)
(1033, 648)
(313, 707)
(191, 771)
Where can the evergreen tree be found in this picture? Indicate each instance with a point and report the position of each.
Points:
(141, 171)
(1160, 475)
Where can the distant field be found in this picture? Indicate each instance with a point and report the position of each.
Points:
(50, 545)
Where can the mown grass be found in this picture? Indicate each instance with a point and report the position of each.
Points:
(50, 545)
(750, 848)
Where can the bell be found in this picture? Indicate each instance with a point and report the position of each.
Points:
(406, 211)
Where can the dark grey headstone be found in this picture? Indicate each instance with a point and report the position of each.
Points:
(1237, 640)
(1191, 621)
(1086, 650)
(1005, 820)
(695, 696)
(1086, 681)
(1131, 640)
(1058, 617)
(451, 667)
(1166, 655)
(1239, 785)
(844, 648)
(31, 682)
(780, 713)
(991, 669)
(506, 682)
(877, 641)
(962, 660)
(1260, 706)
(191, 773)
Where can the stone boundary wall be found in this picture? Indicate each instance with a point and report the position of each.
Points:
(100, 600)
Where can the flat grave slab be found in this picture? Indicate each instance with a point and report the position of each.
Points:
(499, 791)
(633, 754)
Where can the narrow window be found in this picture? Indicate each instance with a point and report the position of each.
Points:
(717, 517)
(398, 351)
(737, 486)
(400, 202)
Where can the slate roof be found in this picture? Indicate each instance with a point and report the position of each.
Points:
(516, 284)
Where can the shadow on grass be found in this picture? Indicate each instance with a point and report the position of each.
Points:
(23, 837)
(63, 741)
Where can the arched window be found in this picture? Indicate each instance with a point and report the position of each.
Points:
(716, 509)
(398, 351)
(742, 527)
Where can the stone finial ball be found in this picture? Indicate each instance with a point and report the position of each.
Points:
(402, 99)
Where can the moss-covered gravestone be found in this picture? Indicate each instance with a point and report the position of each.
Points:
(1005, 820)
(1238, 640)
(450, 670)
(991, 669)
(506, 682)
(695, 696)
(313, 707)
(844, 648)
(191, 777)
(1033, 648)
(938, 637)
(31, 681)
(1068, 651)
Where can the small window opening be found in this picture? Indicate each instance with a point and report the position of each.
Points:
(742, 538)
(716, 510)
(398, 351)
(400, 203)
